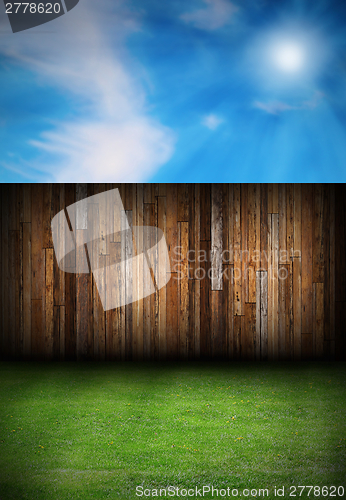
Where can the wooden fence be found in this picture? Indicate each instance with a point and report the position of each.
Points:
(258, 272)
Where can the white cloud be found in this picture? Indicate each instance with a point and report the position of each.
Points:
(277, 107)
(108, 152)
(212, 121)
(216, 14)
(273, 107)
(113, 138)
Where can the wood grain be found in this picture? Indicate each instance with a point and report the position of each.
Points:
(257, 271)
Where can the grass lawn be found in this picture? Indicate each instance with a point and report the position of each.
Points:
(92, 431)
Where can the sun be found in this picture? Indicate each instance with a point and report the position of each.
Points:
(288, 57)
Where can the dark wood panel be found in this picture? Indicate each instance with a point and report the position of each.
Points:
(257, 271)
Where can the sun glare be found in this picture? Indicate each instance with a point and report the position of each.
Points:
(289, 57)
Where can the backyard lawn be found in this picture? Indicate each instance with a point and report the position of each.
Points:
(97, 431)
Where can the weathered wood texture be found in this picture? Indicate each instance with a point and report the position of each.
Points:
(258, 272)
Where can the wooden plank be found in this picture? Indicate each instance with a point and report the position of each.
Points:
(69, 324)
(11, 312)
(191, 320)
(155, 296)
(273, 286)
(227, 193)
(197, 322)
(252, 236)
(27, 290)
(275, 251)
(258, 232)
(270, 198)
(49, 305)
(297, 307)
(270, 290)
(38, 274)
(13, 216)
(197, 240)
(183, 289)
(229, 224)
(27, 203)
(172, 288)
(162, 263)
(135, 272)
(237, 269)
(289, 221)
(59, 275)
(264, 315)
(129, 189)
(162, 189)
(216, 237)
(112, 292)
(297, 225)
(289, 344)
(307, 258)
(283, 257)
(205, 336)
(83, 280)
(38, 252)
(239, 326)
(98, 260)
(147, 314)
(183, 203)
(148, 193)
(258, 315)
(275, 198)
(318, 320)
(138, 335)
(172, 225)
(332, 262)
(83, 313)
(228, 311)
(149, 303)
(192, 253)
(248, 338)
(218, 339)
(340, 243)
(103, 221)
(244, 242)
(82, 208)
(282, 298)
(172, 316)
(205, 208)
(129, 287)
(326, 260)
(317, 230)
(19, 284)
(264, 226)
(110, 351)
(47, 216)
(116, 318)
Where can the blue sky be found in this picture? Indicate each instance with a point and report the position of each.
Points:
(174, 91)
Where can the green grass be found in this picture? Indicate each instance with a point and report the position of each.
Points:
(92, 431)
